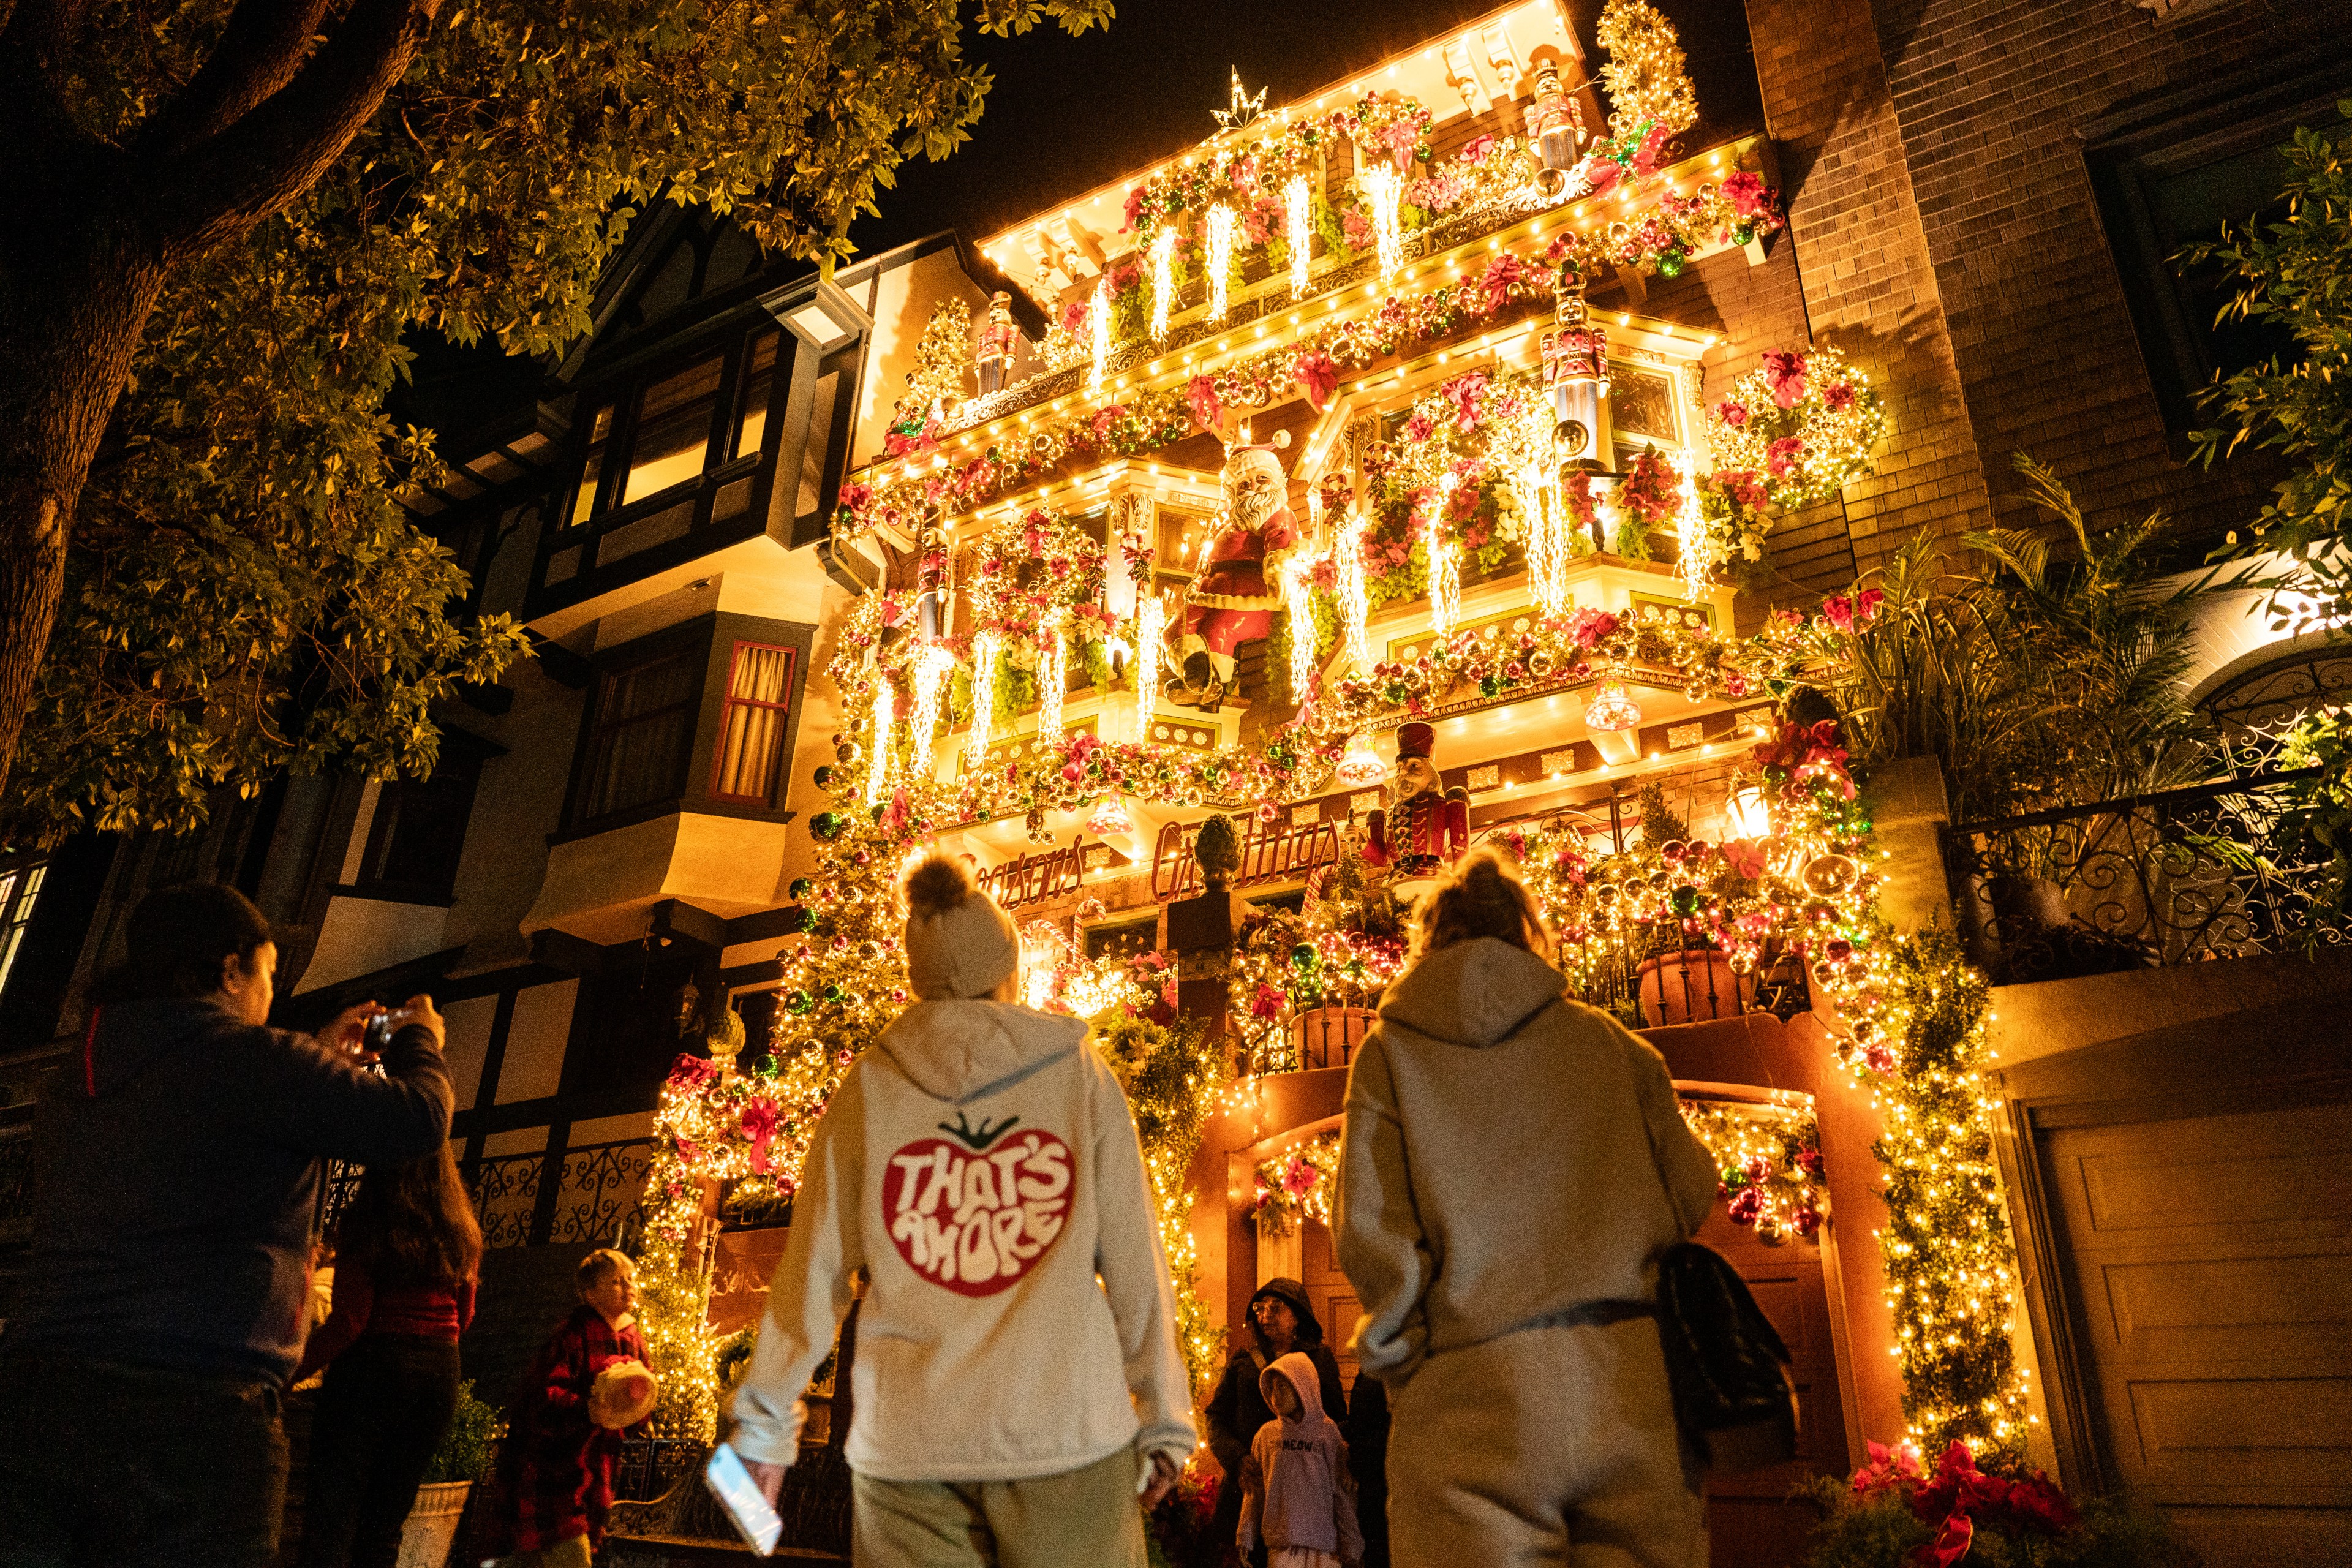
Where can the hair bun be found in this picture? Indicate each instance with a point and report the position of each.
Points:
(937, 886)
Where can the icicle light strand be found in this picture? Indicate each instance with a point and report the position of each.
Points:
(1150, 622)
(1098, 322)
(1385, 193)
(931, 668)
(877, 778)
(1299, 231)
(1355, 599)
(1163, 279)
(1053, 676)
(1217, 257)
(983, 699)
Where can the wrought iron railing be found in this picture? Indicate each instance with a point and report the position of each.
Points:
(506, 1197)
(2180, 877)
(601, 1185)
(1657, 990)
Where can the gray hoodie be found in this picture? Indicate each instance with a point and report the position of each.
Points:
(1509, 1154)
(1300, 1498)
(984, 1164)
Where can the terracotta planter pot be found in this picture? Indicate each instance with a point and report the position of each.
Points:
(432, 1527)
(1327, 1037)
(1689, 987)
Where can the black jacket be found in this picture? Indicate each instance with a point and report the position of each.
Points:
(176, 1169)
(1238, 1408)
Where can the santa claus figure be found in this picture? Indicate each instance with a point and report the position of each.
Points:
(1233, 599)
(1427, 825)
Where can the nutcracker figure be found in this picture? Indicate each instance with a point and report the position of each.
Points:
(998, 339)
(1576, 373)
(1427, 827)
(1555, 124)
(1233, 599)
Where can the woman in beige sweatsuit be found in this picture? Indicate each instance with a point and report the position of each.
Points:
(1513, 1164)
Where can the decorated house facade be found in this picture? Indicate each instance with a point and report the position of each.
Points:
(1487, 448)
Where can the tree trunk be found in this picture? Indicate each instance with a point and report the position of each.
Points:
(74, 297)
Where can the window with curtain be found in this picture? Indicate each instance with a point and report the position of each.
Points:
(643, 727)
(751, 724)
(19, 886)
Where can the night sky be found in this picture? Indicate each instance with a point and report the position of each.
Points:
(1067, 114)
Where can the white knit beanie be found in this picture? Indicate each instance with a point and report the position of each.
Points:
(959, 944)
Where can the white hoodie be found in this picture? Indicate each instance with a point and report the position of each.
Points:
(984, 1164)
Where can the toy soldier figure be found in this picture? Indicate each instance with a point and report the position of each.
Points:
(1576, 373)
(1555, 124)
(1428, 825)
(998, 339)
(1233, 600)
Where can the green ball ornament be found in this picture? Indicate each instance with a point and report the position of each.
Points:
(798, 1003)
(824, 775)
(832, 995)
(1683, 901)
(1303, 955)
(802, 921)
(799, 889)
(827, 824)
(1743, 235)
(1669, 264)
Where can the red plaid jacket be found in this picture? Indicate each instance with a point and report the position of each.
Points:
(555, 1472)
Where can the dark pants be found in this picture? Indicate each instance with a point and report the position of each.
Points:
(124, 1467)
(385, 1407)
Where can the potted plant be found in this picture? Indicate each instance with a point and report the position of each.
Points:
(1680, 979)
(463, 1459)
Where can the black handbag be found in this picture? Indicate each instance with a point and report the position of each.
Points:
(1726, 1364)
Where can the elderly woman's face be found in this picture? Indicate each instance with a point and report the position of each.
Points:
(1277, 1322)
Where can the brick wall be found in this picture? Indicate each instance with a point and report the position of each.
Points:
(1868, 286)
(1990, 96)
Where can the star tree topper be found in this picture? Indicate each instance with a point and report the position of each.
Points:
(1244, 110)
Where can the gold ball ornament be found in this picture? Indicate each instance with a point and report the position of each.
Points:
(1830, 873)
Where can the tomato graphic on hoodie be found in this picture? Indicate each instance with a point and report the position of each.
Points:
(977, 1217)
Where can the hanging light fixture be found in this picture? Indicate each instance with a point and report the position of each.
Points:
(1360, 765)
(1744, 807)
(1614, 720)
(1109, 819)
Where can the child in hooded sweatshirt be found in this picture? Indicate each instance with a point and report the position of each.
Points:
(1295, 1489)
(981, 1161)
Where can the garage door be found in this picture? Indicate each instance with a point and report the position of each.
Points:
(2208, 1269)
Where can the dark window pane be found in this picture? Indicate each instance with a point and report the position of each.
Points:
(673, 438)
(583, 502)
(644, 720)
(759, 382)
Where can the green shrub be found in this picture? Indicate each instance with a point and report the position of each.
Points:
(465, 1451)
